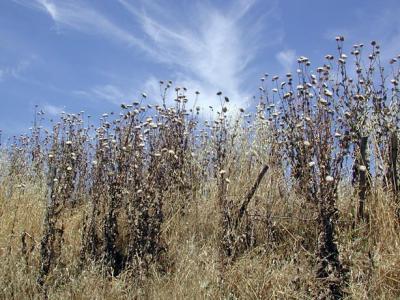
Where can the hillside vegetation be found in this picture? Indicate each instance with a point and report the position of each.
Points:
(297, 198)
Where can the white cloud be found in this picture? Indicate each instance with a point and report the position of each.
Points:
(211, 52)
(287, 59)
(53, 110)
(81, 17)
(152, 89)
(14, 71)
(108, 92)
(210, 48)
(51, 8)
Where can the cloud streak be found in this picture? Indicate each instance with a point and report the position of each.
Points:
(211, 51)
(107, 92)
(81, 17)
(14, 71)
(53, 110)
(209, 48)
(286, 59)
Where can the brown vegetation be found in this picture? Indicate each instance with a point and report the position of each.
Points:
(297, 200)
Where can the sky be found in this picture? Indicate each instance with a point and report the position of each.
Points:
(72, 56)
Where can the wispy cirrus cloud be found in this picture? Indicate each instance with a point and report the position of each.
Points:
(287, 59)
(14, 71)
(212, 50)
(82, 17)
(107, 92)
(209, 47)
(53, 110)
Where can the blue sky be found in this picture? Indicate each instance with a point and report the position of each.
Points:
(70, 55)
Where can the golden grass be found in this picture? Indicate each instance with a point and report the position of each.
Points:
(280, 266)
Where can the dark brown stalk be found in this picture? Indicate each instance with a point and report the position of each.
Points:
(251, 193)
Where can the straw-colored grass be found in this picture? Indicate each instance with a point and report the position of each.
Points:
(280, 267)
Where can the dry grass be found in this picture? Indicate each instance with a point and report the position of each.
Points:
(158, 204)
(282, 267)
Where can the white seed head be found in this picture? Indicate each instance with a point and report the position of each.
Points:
(323, 101)
(329, 178)
(287, 95)
(328, 93)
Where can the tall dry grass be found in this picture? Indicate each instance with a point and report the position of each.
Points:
(295, 200)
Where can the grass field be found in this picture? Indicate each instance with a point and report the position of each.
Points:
(295, 199)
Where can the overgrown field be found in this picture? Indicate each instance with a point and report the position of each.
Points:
(297, 198)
